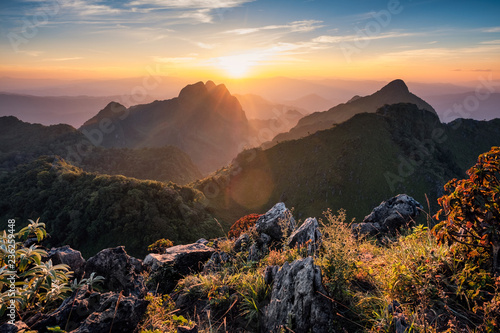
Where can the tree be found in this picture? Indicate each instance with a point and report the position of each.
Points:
(471, 208)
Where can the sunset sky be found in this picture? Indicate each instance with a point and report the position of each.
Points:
(423, 40)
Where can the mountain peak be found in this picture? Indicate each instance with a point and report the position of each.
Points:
(193, 90)
(396, 86)
(210, 85)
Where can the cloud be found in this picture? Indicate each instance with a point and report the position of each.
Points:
(296, 26)
(471, 70)
(190, 4)
(205, 46)
(326, 39)
(63, 59)
(491, 42)
(492, 29)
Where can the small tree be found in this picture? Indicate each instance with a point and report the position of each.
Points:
(471, 209)
(243, 225)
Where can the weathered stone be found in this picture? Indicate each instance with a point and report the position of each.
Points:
(178, 261)
(275, 221)
(309, 234)
(202, 241)
(296, 300)
(216, 261)
(241, 243)
(185, 259)
(361, 230)
(259, 248)
(17, 327)
(72, 258)
(269, 274)
(120, 271)
(395, 213)
(86, 311)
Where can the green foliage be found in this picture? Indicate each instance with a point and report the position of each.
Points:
(160, 246)
(160, 316)
(92, 281)
(110, 210)
(471, 209)
(39, 286)
(243, 225)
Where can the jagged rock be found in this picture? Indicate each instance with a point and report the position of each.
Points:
(269, 274)
(394, 213)
(296, 300)
(308, 232)
(241, 243)
(184, 258)
(86, 311)
(187, 329)
(275, 221)
(361, 230)
(18, 326)
(67, 255)
(180, 260)
(216, 261)
(120, 271)
(202, 241)
(259, 248)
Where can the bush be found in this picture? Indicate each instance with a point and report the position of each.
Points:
(243, 225)
(471, 209)
(160, 246)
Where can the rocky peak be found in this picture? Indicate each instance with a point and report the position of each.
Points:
(210, 85)
(110, 111)
(396, 87)
(193, 91)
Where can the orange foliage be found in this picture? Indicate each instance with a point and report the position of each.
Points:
(243, 225)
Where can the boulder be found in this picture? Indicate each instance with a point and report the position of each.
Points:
(72, 258)
(87, 311)
(297, 301)
(361, 230)
(275, 221)
(216, 261)
(120, 271)
(259, 248)
(178, 261)
(241, 243)
(309, 234)
(269, 274)
(394, 213)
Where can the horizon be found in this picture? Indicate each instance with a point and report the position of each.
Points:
(236, 40)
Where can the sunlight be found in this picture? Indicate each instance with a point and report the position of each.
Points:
(237, 66)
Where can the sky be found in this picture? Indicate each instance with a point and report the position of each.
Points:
(420, 40)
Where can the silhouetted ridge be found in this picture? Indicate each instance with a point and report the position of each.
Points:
(110, 111)
(396, 87)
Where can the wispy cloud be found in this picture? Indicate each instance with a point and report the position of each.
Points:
(492, 29)
(491, 42)
(174, 60)
(207, 4)
(297, 26)
(63, 59)
(327, 39)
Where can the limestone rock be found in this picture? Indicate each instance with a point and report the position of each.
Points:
(120, 271)
(308, 232)
(72, 258)
(18, 326)
(86, 311)
(394, 213)
(241, 243)
(296, 300)
(216, 261)
(361, 230)
(276, 220)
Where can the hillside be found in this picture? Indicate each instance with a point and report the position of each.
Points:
(394, 92)
(205, 121)
(354, 165)
(23, 142)
(90, 211)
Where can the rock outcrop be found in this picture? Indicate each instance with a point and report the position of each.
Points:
(87, 311)
(67, 255)
(177, 261)
(389, 217)
(120, 271)
(277, 220)
(308, 234)
(297, 301)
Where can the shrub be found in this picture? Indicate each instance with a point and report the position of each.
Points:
(160, 246)
(471, 209)
(243, 225)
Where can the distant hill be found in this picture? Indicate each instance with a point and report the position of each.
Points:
(23, 142)
(205, 121)
(49, 110)
(91, 212)
(480, 109)
(394, 92)
(257, 107)
(354, 165)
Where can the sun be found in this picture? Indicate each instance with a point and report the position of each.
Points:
(237, 66)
